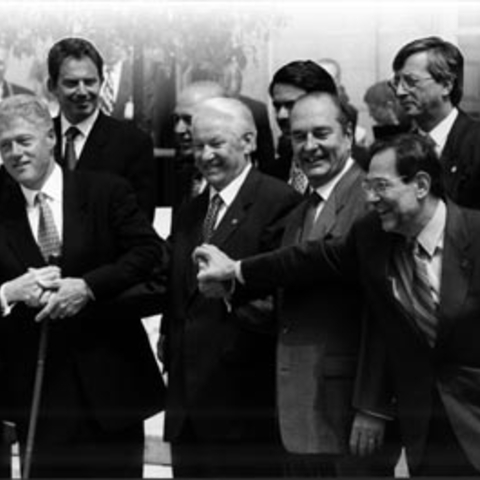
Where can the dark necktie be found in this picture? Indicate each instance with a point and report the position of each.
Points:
(414, 288)
(211, 217)
(70, 157)
(313, 202)
(48, 238)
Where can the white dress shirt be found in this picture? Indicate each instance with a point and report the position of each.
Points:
(84, 127)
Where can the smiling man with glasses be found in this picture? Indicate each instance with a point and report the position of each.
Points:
(428, 82)
(414, 258)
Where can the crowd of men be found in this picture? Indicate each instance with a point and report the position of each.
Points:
(318, 307)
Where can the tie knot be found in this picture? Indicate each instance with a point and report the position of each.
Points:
(71, 133)
(40, 198)
(315, 198)
(216, 200)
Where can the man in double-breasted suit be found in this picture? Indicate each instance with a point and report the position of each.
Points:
(101, 380)
(319, 333)
(220, 415)
(416, 260)
(101, 143)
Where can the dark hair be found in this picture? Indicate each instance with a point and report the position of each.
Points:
(72, 47)
(304, 74)
(414, 153)
(445, 62)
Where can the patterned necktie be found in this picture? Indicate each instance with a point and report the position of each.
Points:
(107, 98)
(415, 290)
(298, 180)
(211, 217)
(313, 202)
(48, 238)
(70, 156)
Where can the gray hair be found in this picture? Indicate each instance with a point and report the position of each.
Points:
(27, 107)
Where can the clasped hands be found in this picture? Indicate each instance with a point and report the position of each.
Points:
(216, 271)
(45, 288)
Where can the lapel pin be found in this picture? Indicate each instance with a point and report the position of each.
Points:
(453, 169)
(234, 221)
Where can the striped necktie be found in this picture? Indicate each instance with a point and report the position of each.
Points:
(211, 217)
(107, 97)
(48, 238)
(414, 288)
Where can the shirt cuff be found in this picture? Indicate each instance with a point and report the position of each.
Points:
(377, 415)
(238, 272)
(5, 307)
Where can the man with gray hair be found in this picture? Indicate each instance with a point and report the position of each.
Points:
(187, 180)
(101, 380)
(220, 415)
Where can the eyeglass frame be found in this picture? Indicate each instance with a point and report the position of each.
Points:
(408, 82)
(368, 188)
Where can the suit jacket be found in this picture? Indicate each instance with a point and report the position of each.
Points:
(460, 160)
(121, 148)
(453, 365)
(102, 355)
(220, 362)
(319, 336)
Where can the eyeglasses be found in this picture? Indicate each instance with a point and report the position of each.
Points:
(378, 186)
(408, 82)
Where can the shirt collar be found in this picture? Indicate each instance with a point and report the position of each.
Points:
(431, 237)
(229, 193)
(84, 126)
(53, 187)
(326, 190)
(440, 133)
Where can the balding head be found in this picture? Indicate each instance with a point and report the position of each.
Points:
(224, 137)
(188, 98)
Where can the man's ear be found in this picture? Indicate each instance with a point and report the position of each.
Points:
(424, 184)
(250, 139)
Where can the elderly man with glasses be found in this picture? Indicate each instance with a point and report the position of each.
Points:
(428, 81)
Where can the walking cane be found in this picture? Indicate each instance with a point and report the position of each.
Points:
(37, 388)
(37, 393)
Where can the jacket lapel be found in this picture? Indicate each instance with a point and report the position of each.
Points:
(237, 211)
(336, 202)
(96, 140)
(196, 217)
(457, 267)
(17, 230)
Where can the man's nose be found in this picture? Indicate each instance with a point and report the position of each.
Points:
(181, 127)
(310, 142)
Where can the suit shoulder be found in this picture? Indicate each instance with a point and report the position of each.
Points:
(99, 180)
(126, 129)
(275, 187)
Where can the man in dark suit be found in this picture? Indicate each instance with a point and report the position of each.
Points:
(220, 414)
(415, 258)
(428, 81)
(100, 143)
(101, 380)
(185, 179)
(290, 82)
(319, 333)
